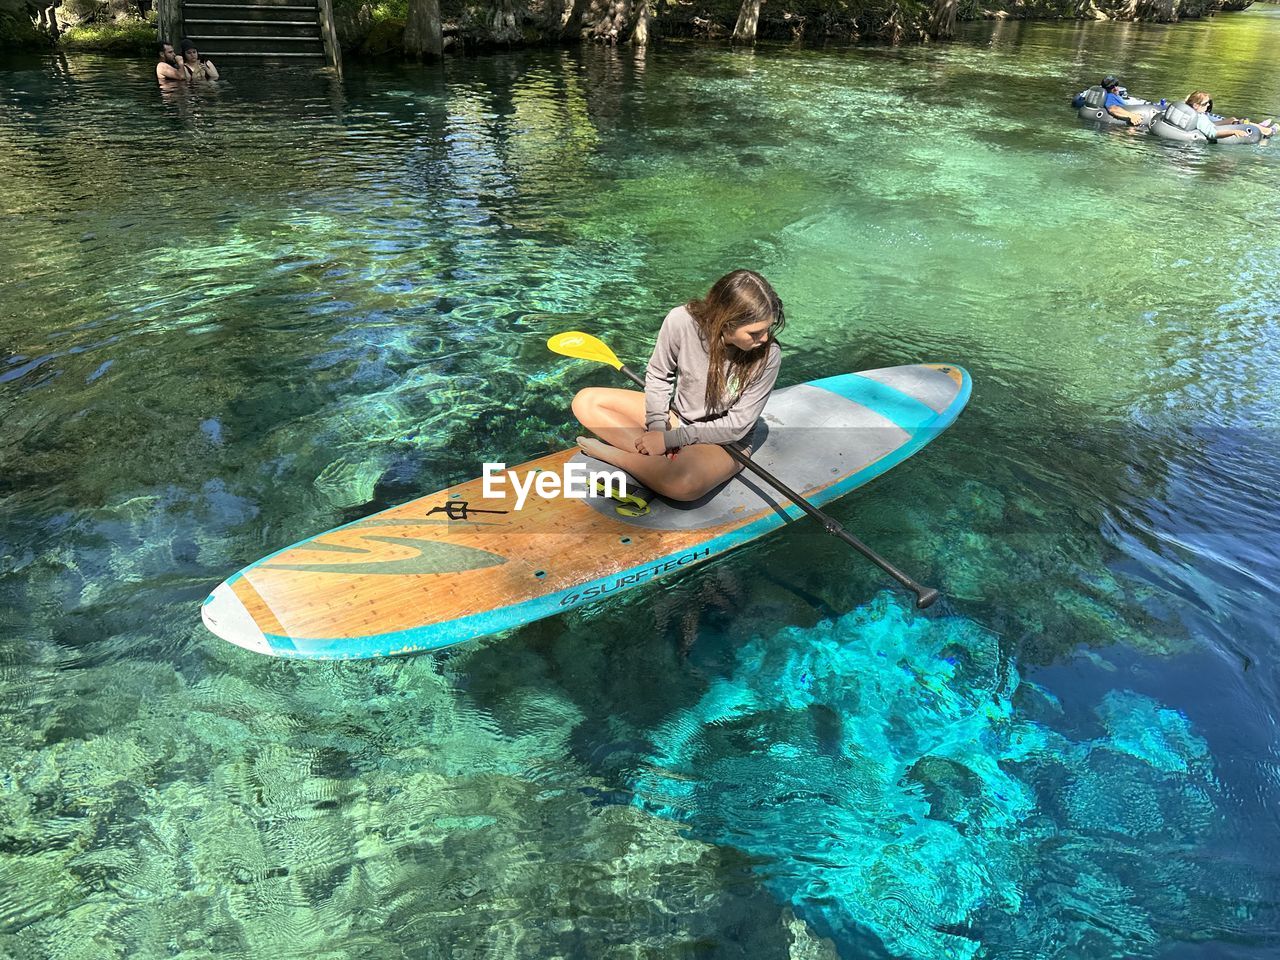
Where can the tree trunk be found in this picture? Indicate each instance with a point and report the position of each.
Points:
(640, 35)
(610, 19)
(565, 18)
(744, 31)
(48, 20)
(504, 27)
(893, 30)
(942, 19)
(423, 34)
(329, 35)
(169, 20)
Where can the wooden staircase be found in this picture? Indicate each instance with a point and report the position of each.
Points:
(290, 30)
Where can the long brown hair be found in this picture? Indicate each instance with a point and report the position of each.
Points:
(735, 300)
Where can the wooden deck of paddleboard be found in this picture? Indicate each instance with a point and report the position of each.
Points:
(548, 546)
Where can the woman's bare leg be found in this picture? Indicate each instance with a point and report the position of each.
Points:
(697, 469)
(617, 418)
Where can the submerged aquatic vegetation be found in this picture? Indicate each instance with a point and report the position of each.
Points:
(331, 812)
(893, 777)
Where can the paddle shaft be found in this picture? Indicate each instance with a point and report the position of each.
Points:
(925, 596)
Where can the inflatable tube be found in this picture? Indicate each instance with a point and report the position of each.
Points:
(1093, 97)
(1099, 115)
(1167, 131)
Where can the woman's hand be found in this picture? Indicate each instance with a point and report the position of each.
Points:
(652, 443)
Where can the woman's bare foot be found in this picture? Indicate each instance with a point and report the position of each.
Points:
(597, 448)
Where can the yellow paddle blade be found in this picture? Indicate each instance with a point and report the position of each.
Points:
(583, 346)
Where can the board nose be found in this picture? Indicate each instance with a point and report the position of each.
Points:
(225, 616)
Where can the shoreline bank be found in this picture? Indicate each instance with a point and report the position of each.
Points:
(377, 31)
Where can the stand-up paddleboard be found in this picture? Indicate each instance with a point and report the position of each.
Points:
(456, 565)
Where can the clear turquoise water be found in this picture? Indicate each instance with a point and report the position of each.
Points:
(232, 319)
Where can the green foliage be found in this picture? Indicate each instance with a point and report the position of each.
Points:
(20, 31)
(385, 36)
(381, 11)
(124, 37)
(78, 11)
(75, 12)
(374, 28)
(16, 26)
(14, 8)
(371, 29)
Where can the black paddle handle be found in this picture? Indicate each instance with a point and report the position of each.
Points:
(925, 596)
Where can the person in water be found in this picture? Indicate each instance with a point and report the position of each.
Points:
(1202, 104)
(199, 69)
(1078, 100)
(168, 67)
(1114, 102)
(725, 351)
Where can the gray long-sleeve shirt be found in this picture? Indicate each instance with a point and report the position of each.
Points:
(681, 347)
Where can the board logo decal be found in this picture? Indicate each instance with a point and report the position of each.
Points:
(428, 556)
(460, 510)
(631, 579)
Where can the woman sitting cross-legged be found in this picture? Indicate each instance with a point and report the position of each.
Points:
(721, 356)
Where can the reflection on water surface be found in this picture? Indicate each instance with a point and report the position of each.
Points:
(234, 317)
